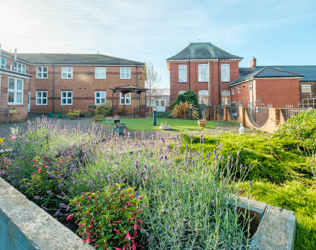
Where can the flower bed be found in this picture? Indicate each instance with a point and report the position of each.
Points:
(162, 196)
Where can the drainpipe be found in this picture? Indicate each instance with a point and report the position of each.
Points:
(136, 97)
(209, 82)
(219, 86)
(53, 87)
(189, 76)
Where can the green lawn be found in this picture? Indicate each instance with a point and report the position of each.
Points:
(176, 124)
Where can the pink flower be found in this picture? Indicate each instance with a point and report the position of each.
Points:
(39, 169)
(117, 232)
(140, 197)
(117, 248)
(129, 203)
(88, 239)
(135, 226)
(128, 236)
(96, 246)
(69, 217)
(118, 222)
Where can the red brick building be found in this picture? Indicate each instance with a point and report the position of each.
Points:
(215, 76)
(63, 82)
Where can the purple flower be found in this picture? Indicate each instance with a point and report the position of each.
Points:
(57, 213)
(172, 181)
(75, 182)
(248, 197)
(85, 171)
(44, 208)
(238, 153)
(192, 162)
(250, 183)
(192, 184)
(191, 137)
(250, 166)
(213, 202)
(90, 183)
(208, 212)
(221, 157)
(63, 205)
(36, 197)
(236, 209)
(50, 192)
(137, 194)
(60, 185)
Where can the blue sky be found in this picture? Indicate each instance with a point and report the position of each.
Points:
(275, 32)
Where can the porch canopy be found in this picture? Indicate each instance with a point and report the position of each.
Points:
(128, 89)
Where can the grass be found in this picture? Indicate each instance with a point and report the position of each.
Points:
(176, 125)
(280, 174)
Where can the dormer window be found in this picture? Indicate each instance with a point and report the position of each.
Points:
(19, 67)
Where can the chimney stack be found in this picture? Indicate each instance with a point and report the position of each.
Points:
(253, 63)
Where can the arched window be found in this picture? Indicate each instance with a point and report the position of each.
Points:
(225, 97)
(203, 97)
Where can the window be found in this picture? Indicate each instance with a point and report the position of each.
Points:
(19, 67)
(225, 97)
(239, 89)
(225, 73)
(2, 63)
(306, 88)
(250, 86)
(181, 92)
(15, 91)
(127, 99)
(183, 73)
(66, 98)
(203, 72)
(100, 73)
(41, 72)
(233, 91)
(100, 97)
(203, 97)
(125, 72)
(41, 97)
(66, 73)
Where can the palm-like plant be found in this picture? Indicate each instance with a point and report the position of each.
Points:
(182, 111)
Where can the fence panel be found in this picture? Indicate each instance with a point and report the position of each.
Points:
(258, 115)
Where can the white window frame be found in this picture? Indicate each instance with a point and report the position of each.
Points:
(305, 86)
(250, 84)
(239, 89)
(99, 97)
(15, 91)
(65, 70)
(19, 67)
(203, 72)
(42, 72)
(181, 92)
(124, 74)
(203, 94)
(126, 98)
(99, 71)
(2, 63)
(66, 98)
(41, 98)
(225, 72)
(233, 90)
(183, 76)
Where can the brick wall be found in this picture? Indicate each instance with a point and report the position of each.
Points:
(83, 86)
(276, 93)
(194, 84)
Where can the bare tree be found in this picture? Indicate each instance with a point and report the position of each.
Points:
(152, 82)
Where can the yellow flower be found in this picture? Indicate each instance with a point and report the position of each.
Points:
(1, 140)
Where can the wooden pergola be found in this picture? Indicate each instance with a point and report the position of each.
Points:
(129, 89)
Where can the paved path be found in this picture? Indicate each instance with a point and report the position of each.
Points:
(221, 128)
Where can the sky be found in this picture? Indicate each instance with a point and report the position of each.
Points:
(279, 32)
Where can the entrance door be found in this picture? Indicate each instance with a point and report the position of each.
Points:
(29, 102)
(160, 105)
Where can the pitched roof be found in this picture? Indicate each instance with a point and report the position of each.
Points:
(266, 72)
(309, 72)
(94, 59)
(4, 71)
(203, 51)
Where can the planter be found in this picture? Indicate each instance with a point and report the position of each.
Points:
(202, 123)
(118, 130)
(13, 111)
(109, 120)
(50, 114)
(96, 119)
(165, 127)
(122, 123)
(116, 121)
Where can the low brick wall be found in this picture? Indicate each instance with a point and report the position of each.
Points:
(24, 225)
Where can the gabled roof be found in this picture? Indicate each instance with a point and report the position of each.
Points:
(203, 51)
(309, 72)
(93, 59)
(266, 72)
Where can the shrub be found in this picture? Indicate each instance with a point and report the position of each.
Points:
(75, 113)
(301, 128)
(109, 219)
(182, 111)
(104, 109)
(188, 96)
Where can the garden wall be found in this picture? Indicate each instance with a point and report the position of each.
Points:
(24, 225)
